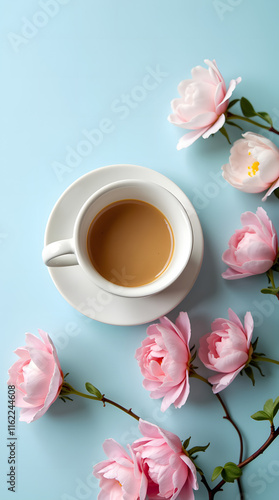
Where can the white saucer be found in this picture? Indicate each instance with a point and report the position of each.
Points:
(72, 282)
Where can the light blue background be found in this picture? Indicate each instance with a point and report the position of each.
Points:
(63, 79)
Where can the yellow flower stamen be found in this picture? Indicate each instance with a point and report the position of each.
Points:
(253, 169)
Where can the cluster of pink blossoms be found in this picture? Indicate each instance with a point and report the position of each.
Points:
(204, 107)
(157, 468)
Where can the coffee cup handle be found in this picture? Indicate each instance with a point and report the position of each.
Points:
(60, 253)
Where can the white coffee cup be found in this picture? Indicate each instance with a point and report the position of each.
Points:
(73, 251)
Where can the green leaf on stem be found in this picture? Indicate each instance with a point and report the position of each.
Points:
(232, 103)
(269, 411)
(276, 192)
(271, 291)
(217, 471)
(255, 343)
(247, 108)
(193, 357)
(260, 415)
(268, 408)
(230, 472)
(256, 364)
(225, 134)
(186, 443)
(275, 406)
(93, 390)
(249, 372)
(266, 117)
(234, 124)
(197, 449)
(275, 266)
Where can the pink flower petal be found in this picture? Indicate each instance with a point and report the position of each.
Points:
(164, 360)
(215, 127)
(226, 349)
(37, 377)
(202, 104)
(272, 188)
(190, 138)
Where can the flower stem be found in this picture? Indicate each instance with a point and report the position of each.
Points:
(269, 360)
(273, 435)
(271, 277)
(272, 129)
(67, 389)
(273, 290)
(231, 116)
(227, 415)
(229, 418)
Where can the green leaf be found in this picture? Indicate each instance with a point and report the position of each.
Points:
(260, 415)
(272, 291)
(276, 192)
(67, 397)
(231, 472)
(234, 124)
(93, 390)
(275, 406)
(275, 267)
(186, 443)
(249, 372)
(193, 357)
(268, 408)
(255, 343)
(232, 103)
(247, 108)
(225, 134)
(266, 117)
(196, 449)
(256, 365)
(217, 471)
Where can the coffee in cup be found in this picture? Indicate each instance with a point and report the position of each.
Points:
(132, 235)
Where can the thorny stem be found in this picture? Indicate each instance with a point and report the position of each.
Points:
(229, 418)
(231, 116)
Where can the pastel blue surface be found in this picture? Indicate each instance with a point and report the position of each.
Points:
(68, 69)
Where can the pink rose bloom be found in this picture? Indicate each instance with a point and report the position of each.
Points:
(170, 470)
(227, 349)
(252, 249)
(121, 476)
(37, 377)
(164, 359)
(253, 165)
(203, 102)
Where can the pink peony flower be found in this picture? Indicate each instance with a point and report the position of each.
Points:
(253, 165)
(203, 102)
(227, 349)
(37, 376)
(164, 359)
(121, 476)
(252, 249)
(170, 471)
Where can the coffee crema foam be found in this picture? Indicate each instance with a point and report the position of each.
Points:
(130, 243)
